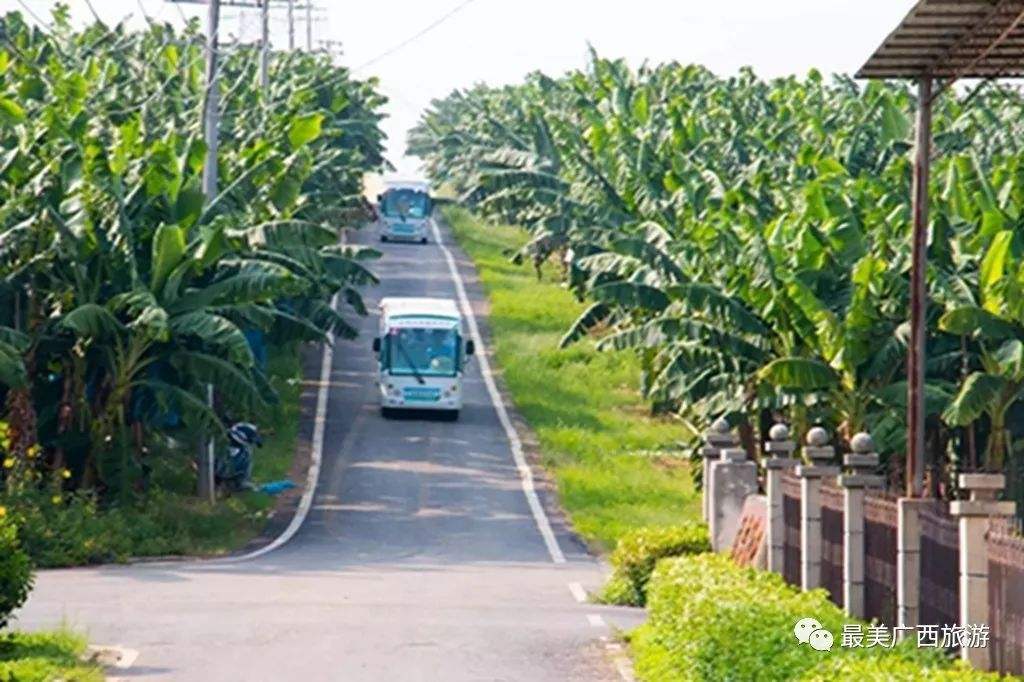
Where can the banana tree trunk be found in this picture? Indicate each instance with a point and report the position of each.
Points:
(998, 441)
(21, 420)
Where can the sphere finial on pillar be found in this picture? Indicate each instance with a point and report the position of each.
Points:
(818, 437)
(862, 443)
(779, 432)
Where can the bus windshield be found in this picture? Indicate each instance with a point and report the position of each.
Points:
(423, 352)
(405, 203)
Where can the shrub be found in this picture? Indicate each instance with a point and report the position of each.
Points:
(893, 669)
(711, 620)
(637, 553)
(15, 570)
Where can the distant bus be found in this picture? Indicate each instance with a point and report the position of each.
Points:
(405, 209)
(421, 355)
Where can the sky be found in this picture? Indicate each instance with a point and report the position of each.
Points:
(499, 41)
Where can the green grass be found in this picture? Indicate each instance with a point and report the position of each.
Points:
(614, 464)
(45, 657)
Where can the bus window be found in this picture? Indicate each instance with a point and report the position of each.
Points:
(405, 203)
(427, 352)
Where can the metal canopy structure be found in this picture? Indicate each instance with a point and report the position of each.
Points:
(940, 41)
(952, 39)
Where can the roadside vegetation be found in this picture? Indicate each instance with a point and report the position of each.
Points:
(59, 528)
(617, 468)
(46, 657)
(638, 553)
(34, 657)
(709, 619)
(747, 241)
(125, 292)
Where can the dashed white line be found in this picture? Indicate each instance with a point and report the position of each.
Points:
(595, 620)
(113, 656)
(525, 473)
(578, 593)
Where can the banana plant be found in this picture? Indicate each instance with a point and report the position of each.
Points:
(749, 238)
(127, 287)
(996, 324)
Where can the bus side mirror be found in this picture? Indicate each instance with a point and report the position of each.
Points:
(376, 345)
(470, 348)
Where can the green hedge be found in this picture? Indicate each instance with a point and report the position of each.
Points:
(711, 620)
(637, 553)
(15, 570)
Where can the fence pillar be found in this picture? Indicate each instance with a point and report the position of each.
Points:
(908, 563)
(820, 455)
(733, 478)
(973, 515)
(779, 447)
(859, 478)
(717, 438)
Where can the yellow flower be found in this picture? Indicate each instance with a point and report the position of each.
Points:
(65, 473)
(56, 499)
(32, 451)
(9, 463)
(3, 512)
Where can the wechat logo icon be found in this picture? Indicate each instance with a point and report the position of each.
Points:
(809, 631)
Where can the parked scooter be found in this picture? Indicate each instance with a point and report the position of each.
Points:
(233, 468)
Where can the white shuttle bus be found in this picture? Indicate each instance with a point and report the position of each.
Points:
(405, 209)
(421, 355)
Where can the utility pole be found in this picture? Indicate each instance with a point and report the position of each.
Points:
(265, 46)
(291, 25)
(309, 25)
(211, 126)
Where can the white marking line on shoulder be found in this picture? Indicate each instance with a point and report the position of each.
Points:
(525, 473)
(315, 456)
(595, 620)
(578, 593)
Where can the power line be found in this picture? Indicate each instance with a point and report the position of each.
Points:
(424, 31)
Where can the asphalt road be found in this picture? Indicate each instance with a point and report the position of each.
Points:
(419, 559)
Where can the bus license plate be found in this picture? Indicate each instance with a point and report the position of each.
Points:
(424, 395)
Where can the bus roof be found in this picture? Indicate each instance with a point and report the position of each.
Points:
(439, 309)
(414, 185)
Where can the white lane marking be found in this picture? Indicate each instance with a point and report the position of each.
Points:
(625, 669)
(578, 593)
(525, 473)
(332, 507)
(595, 620)
(113, 656)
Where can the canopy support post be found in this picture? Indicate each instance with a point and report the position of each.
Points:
(918, 290)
